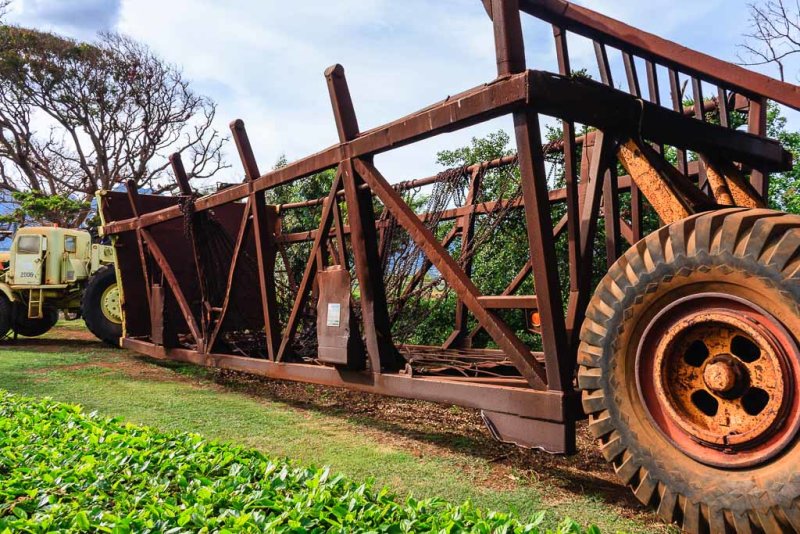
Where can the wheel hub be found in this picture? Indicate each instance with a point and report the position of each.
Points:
(110, 304)
(717, 377)
(724, 375)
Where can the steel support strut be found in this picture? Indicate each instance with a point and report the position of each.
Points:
(510, 60)
(363, 237)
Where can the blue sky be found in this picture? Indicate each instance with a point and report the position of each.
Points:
(262, 60)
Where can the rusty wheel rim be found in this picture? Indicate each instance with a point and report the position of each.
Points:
(717, 376)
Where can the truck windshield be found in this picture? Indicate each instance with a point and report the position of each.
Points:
(28, 244)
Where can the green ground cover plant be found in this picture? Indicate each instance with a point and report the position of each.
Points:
(62, 469)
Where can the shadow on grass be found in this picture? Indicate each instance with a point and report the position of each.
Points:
(78, 345)
(426, 428)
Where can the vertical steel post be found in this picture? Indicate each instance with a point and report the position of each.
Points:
(263, 230)
(510, 60)
(466, 223)
(363, 236)
(610, 189)
(700, 114)
(676, 91)
(757, 124)
(635, 88)
(571, 184)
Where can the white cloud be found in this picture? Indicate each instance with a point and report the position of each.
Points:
(263, 60)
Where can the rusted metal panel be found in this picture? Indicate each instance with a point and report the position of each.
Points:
(530, 433)
(337, 329)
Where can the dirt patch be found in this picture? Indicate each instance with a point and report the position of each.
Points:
(129, 364)
(67, 341)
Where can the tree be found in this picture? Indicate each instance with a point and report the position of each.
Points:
(35, 207)
(784, 190)
(774, 34)
(76, 118)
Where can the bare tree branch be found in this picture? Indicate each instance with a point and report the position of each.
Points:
(774, 34)
(76, 117)
(4, 5)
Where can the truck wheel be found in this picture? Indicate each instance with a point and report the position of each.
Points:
(6, 311)
(101, 307)
(34, 327)
(690, 367)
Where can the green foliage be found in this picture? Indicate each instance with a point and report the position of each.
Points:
(35, 207)
(784, 190)
(68, 471)
(497, 261)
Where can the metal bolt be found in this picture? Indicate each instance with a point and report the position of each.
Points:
(720, 376)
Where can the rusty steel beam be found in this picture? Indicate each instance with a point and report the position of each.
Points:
(509, 44)
(594, 104)
(740, 103)
(509, 290)
(525, 402)
(509, 302)
(635, 89)
(595, 26)
(757, 124)
(603, 155)
(672, 195)
(742, 193)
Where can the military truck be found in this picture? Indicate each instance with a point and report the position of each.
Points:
(49, 269)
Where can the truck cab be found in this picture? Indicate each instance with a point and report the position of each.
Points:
(49, 269)
(44, 256)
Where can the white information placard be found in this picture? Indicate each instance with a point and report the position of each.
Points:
(334, 314)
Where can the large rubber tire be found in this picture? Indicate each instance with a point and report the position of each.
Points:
(751, 255)
(106, 326)
(34, 327)
(6, 315)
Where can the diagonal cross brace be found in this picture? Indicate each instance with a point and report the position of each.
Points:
(517, 351)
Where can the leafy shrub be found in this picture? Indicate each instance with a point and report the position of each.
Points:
(64, 470)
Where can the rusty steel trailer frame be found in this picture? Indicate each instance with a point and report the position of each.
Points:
(539, 406)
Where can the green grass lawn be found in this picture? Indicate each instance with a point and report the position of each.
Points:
(69, 366)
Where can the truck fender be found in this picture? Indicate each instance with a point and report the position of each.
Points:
(6, 290)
